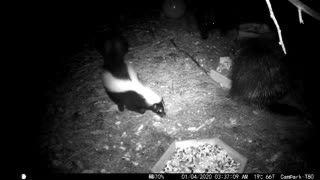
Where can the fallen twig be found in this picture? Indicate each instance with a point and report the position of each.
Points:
(190, 56)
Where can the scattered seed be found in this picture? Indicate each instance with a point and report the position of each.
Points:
(124, 134)
(192, 129)
(106, 147)
(139, 147)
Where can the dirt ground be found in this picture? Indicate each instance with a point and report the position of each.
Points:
(85, 133)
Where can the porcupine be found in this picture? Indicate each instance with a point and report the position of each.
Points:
(261, 77)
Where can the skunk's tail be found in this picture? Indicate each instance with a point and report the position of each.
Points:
(112, 45)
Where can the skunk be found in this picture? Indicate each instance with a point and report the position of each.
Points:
(119, 79)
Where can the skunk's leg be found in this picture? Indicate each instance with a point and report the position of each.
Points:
(141, 111)
(121, 107)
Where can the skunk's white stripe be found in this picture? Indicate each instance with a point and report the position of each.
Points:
(120, 85)
(132, 74)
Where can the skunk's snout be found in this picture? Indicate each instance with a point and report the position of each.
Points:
(159, 109)
(162, 114)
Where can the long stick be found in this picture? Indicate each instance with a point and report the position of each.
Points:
(277, 25)
(305, 9)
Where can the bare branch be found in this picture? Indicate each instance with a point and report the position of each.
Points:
(300, 16)
(277, 25)
(305, 9)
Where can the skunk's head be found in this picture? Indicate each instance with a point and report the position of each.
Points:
(158, 108)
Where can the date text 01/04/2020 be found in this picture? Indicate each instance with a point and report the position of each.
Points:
(213, 176)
